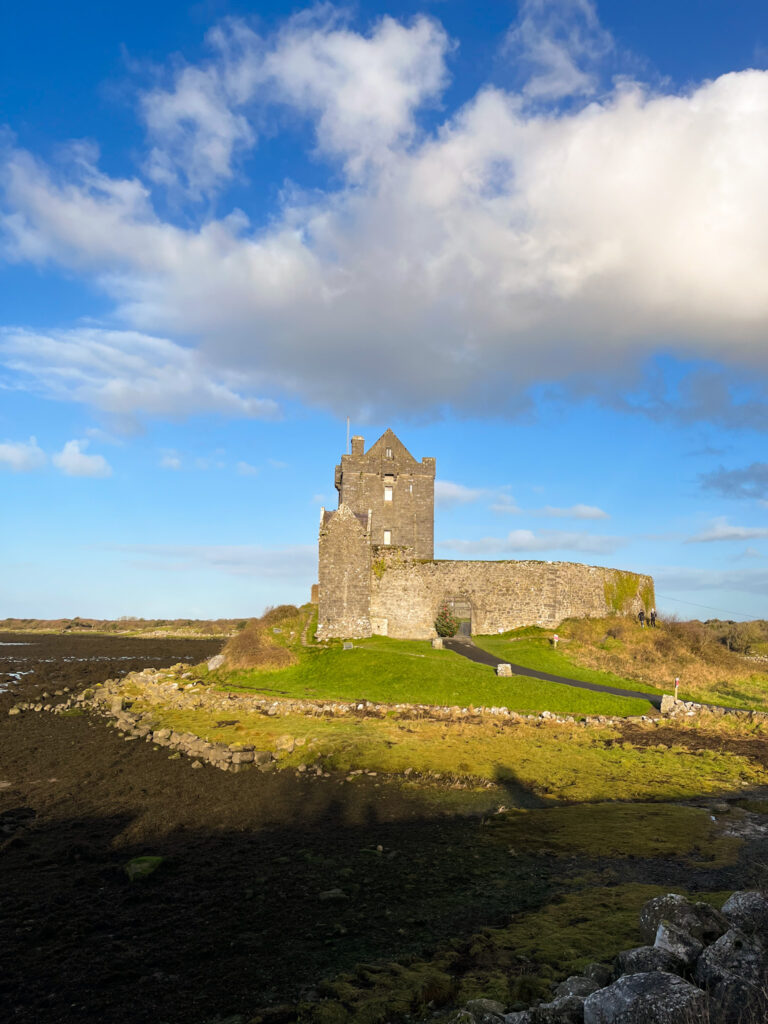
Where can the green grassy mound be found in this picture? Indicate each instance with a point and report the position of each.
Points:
(389, 671)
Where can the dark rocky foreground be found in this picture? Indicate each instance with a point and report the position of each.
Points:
(268, 883)
(237, 915)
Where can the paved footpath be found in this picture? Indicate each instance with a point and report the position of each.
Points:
(465, 646)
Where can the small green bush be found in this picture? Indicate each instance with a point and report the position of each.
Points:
(446, 622)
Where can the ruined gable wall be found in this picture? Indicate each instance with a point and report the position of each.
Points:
(344, 578)
(406, 594)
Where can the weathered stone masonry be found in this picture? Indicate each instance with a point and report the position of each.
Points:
(377, 573)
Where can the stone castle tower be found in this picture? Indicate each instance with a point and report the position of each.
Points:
(398, 491)
(386, 500)
(377, 572)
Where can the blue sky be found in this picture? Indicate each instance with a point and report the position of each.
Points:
(533, 242)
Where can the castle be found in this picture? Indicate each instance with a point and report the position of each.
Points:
(378, 573)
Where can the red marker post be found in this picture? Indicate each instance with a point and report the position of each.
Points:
(677, 685)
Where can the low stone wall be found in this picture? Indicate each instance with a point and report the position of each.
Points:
(406, 594)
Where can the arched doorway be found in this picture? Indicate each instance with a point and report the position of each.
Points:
(462, 609)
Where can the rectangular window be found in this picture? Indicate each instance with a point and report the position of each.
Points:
(389, 453)
(387, 536)
(387, 494)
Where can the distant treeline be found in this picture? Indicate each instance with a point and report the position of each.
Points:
(126, 624)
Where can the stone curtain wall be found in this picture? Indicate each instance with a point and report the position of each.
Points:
(344, 587)
(406, 594)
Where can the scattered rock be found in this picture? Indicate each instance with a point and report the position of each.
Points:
(577, 985)
(678, 942)
(216, 662)
(644, 959)
(486, 1011)
(654, 998)
(734, 971)
(602, 974)
(748, 911)
(567, 1010)
(141, 867)
(332, 896)
(697, 919)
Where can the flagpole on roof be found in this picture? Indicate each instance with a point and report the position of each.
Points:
(347, 435)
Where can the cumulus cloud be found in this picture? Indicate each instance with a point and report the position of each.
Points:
(574, 512)
(246, 469)
(448, 493)
(528, 541)
(361, 91)
(21, 456)
(451, 268)
(721, 529)
(73, 461)
(749, 482)
(194, 131)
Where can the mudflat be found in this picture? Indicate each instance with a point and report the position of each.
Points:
(238, 913)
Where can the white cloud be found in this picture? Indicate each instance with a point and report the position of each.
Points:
(748, 581)
(362, 91)
(574, 512)
(170, 460)
(559, 42)
(73, 461)
(546, 244)
(527, 540)
(127, 373)
(21, 456)
(194, 131)
(289, 563)
(751, 553)
(505, 503)
(246, 469)
(447, 493)
(721, 529)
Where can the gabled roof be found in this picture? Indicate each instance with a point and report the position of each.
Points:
(345, 512)
(389, 439)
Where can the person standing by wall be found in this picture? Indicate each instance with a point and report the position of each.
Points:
(641, 618)
(653, 616)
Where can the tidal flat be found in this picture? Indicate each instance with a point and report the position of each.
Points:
(286, 897)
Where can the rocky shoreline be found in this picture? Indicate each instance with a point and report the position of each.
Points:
(700, 966)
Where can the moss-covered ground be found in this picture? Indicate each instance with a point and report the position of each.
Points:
(551, 761)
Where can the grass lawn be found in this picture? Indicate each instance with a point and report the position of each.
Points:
(538, 653)
(389, 671)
